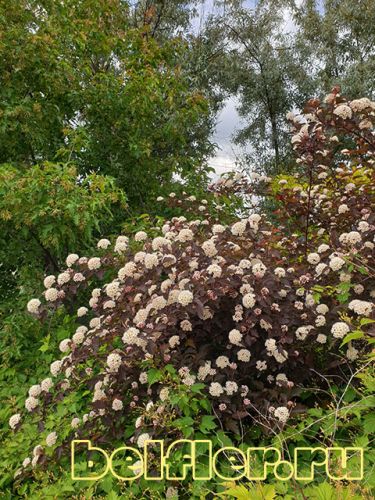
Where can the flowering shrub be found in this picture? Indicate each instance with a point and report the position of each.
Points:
(248, 312)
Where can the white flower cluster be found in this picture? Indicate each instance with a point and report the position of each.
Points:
(361, 307)
(51, 439)
(340, 329)
(33, 306)
(114, 362)
(282, 414)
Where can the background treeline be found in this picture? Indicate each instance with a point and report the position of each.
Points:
(107, 104)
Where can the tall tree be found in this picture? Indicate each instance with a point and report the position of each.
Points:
(79, 83)
(261, 68)
(340, 35)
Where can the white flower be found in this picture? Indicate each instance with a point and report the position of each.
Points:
(49, 281)
(363, 124)
(114, 362)
(222, 362)
(51, 294)
(121, 244)
(239, 228)
(185, 235)
(113, 289)
(171, 493)
(82, 311)
(313, 258)
(303, 331)
(127, 271)
(130, 336)
(141, 316)
(320, 320)
(186, 326)
(235, 337)
(94, 323)
(51, 439)
(46, 384)
(360, 104)
(78, 277)
(14, 420)
(214, 270)
(94, 263)
(38, 450)
(63, 278)
(158, 303)
(282, 414)
(259, 269)
(64, 345)
(33, 306)
(185, 297)
(323, 248)
(141, 441)
(209, 248)
(270, 344)
(280, 272)
(358, 289)
(336, 263)
(361, 307)
(343, 111)
(322, 339)
(215, 389)
(151, 260)
(254, 219)
(56, 367)
(109, 304)
(218, 228)
(248, 300)
(75, 423)
(340, 329)
(103, 243)
(343, 209)
(117, 405)
(353, 237)
(159, 243)
(140, 236)
(174, 341)
(231, 387)
(164, 394)
(322, 309)
(244, 355)
(31, 403)
(71, 259)
(261, 365)
(363, 226)
(79, 335)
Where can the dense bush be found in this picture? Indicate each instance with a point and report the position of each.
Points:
(248, 313)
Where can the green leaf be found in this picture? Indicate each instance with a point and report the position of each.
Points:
(358, 334)
(154, 375)
(208, 423)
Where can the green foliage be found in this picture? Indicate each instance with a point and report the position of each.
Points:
(52, 209)
(340, 35)
(90, 88)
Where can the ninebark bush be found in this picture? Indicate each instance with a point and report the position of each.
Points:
(250, 312)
